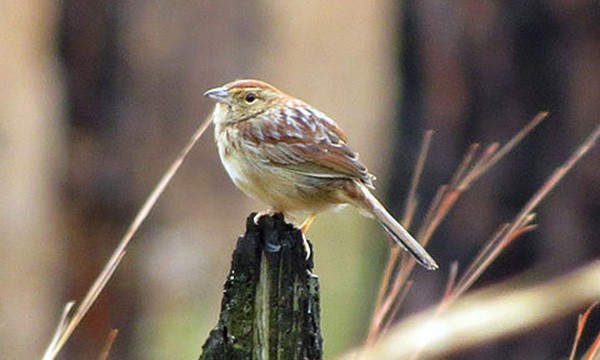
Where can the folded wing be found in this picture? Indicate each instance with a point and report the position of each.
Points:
(306, 141)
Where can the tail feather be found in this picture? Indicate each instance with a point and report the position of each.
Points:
(398, 232)
(420, 254)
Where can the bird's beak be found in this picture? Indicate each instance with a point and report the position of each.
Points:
(219, 94)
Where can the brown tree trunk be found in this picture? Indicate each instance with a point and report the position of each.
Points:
(270, 307)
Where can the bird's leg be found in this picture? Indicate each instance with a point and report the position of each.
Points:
(268, 212)
(304, 228)
(306, 224)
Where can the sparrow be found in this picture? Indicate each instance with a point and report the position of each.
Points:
(287, 154)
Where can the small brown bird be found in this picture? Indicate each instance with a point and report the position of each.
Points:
(287, 154)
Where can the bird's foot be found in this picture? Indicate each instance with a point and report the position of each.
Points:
(306, 224)
(268, 212)
(306, 246)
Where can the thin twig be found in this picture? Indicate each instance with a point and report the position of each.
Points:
(487, 259)
(416, 179)
(451, 279)
(490, 244)
(446, 205)
(394, 311)
(466, 174)
(507, 308)
(387, 275)
(513, 142)
(517, 227)
(581, 321)
(384, 309)
(594, 352)
(411, 204)
(110, 267)
(62, 324)
(521, 222)
(474, 172)
(464, 165)
(110, 340)
(433, 209)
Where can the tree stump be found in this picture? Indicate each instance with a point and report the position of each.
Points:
(270, 307)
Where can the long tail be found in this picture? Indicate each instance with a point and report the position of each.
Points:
(396, 231)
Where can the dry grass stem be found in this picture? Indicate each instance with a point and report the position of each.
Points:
(411, 205)
(431, 211)
(506, 234)
(485, 258)
(74, 319)
(411, 199)
(581, 321)
(110, 340)
(61, 326)
(451, 278)
(464, 165)
(396, 306)
(512, 143)
(594, 352)
(481, 316)
(399, 266)
(509, 232)
(387, 273)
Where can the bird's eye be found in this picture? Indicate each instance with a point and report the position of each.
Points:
(250, 98)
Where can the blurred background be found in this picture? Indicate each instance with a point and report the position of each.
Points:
(100, 96)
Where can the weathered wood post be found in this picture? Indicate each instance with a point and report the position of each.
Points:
(270, 307)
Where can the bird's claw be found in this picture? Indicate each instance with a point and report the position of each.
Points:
(306, 246)
(306, 224)
(260, 214)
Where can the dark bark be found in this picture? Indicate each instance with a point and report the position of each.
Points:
(270, 307)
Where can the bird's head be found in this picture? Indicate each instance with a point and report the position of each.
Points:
(242, 99)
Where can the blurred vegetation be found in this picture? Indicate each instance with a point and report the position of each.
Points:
(102, 95)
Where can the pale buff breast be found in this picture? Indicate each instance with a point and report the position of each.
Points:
(279, 188)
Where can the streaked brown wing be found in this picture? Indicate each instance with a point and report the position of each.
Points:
(306, 141)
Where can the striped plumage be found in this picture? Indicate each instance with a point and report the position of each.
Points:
(285, 153)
